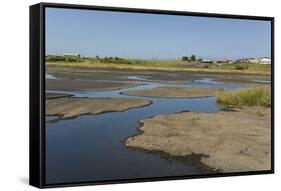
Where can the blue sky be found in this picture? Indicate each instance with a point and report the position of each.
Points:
(136, 35)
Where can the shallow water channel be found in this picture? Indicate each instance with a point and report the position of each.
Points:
(90, 147)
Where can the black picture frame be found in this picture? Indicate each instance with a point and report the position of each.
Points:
(37, 93)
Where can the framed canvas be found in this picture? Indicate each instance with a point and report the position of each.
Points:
(130, 95)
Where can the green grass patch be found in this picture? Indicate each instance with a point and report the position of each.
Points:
(255, 96)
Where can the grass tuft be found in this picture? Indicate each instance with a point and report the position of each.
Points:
(255, 96)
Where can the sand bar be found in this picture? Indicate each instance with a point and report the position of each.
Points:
(70, 107)
(232, 141)
(174, 92)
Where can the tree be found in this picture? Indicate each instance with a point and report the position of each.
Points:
(184, 58)
(193, 58)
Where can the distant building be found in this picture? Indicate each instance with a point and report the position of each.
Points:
(247, 60)
(265, 60)
(242, 60)
(72, 55)
(206, 61)
(223, 61)
(253, 60)
(184, 58)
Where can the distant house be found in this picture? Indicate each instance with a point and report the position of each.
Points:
(265, 60)
(206, 61)
(223, 61)
(72, 55)
(253, 60)
(242, 60)
(247, 60)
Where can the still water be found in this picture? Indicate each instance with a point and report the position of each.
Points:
(90, 147)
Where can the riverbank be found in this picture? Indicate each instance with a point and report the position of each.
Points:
(228, 144)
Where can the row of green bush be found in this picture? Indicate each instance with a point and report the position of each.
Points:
(62, 59)
(114, 60)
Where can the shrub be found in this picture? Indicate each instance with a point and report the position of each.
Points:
(241, 67)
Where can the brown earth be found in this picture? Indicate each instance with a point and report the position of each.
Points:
(173, 92)
(69, 107)
(72, 85)
(231, 141)
(155, 76)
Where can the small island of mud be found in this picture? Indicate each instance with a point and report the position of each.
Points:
(56, 95)
(174, 92)
(70, 107)
(233, 140)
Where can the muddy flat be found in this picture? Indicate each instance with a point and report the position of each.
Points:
(152, 75)
(231, 141)
(75, 85)
(174, 92)
(120, 75)
(70, 107)
(242, 78)
(55, 95)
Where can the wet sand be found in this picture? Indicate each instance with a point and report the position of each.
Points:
(70, 107)
(173, 92)
(236, 140)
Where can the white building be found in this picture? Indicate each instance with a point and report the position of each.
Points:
(207, 61)
(71, 55)
(265, 60)
(253, 60)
